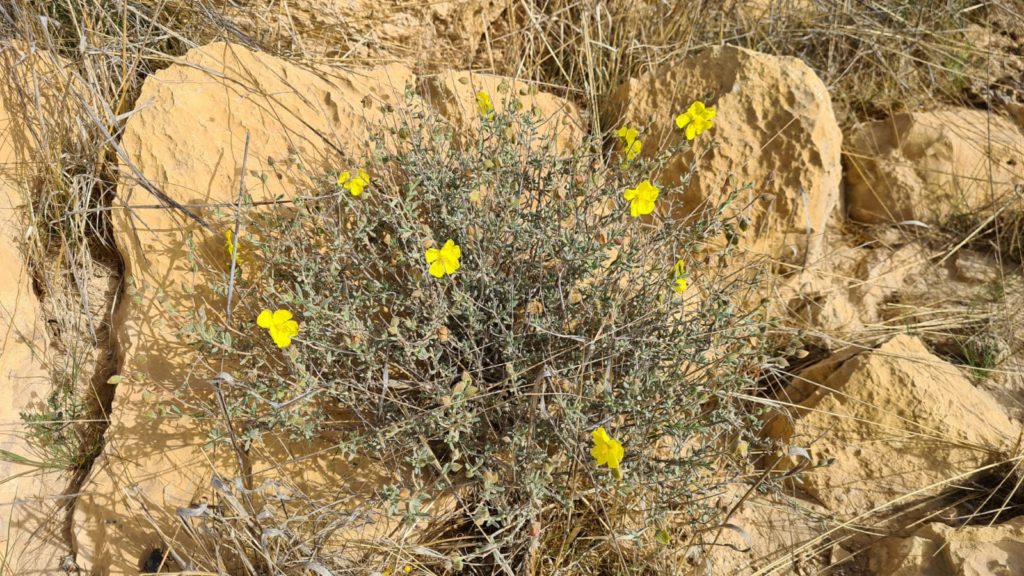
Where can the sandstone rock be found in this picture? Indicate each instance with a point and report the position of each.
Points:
(775, 131)
(940, 550)
(31, 501)
(848, 290)
(449, 31)
(931, 166)
(895, 422)
(187, 137)
(453, 95)
(995, 44)
(30, 496)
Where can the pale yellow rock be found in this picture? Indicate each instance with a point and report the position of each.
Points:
(842, 293)
(187, 137)
(454, 96)
(897, 423)
(940, 550)
(31, 502)
(775, 132)
(931, 166)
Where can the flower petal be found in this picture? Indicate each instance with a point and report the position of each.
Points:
(282, 340)
(265, 319)
(437, 269)
(615, 454)
(432, 255)
(634, 150)
(289, 328)
(281, 316)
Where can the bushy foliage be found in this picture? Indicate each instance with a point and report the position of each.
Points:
(484, 385)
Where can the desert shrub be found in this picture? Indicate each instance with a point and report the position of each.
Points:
(566, 314)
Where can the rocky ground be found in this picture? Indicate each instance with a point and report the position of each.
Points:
(897, 409)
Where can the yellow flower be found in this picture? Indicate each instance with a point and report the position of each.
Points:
(280, 325)
(355, 184)
(630, 145)
(641, 199)
(407, 569)
(680, 270)
(697, 119)
(483, 104)
(607, 450)
(229, 243)
(445, 260)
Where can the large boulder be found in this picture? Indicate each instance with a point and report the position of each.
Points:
(30, 495)
(932, 166)
(849, 290)
(937, 550)
(31, 492)
(776, 142)
(889, 425)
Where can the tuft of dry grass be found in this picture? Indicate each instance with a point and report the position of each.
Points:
(876, 56)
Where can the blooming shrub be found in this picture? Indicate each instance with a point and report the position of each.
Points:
(546, 363)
